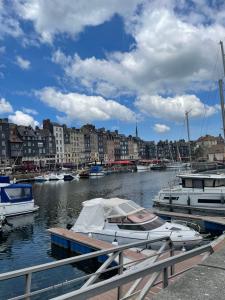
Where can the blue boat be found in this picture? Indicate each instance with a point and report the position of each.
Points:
(96, 171)
(15, 199)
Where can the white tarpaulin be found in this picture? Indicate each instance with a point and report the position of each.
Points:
(96, 211)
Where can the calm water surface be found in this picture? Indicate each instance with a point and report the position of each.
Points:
(60, 203)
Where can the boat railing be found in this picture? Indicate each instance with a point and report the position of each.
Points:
(116, 253)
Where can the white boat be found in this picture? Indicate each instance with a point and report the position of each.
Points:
(127, 222)
(197, 190)
(54, 176)
(177, 165)
(41, 178)
(143, 167)
(15, 199)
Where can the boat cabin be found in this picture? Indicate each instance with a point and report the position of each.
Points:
(200, 181)
(125, 214)
(13, 193)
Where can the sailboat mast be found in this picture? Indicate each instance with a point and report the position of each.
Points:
(221, 89)
(188, 133)
(222, 104)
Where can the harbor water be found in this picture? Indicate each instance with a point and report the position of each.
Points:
(60, 204)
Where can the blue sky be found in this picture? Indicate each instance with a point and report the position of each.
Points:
(112, 62)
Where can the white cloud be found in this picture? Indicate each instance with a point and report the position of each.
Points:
(23, 63)
(30, 111)
(86, 108)
(5, 106)
(53, 17)
(8, 24)
(161, 128)
(21, 118)
(174, 108)
(172, 54)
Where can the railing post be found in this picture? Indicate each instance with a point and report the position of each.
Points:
(165, 278)
(120, 271)
(28, 285)
(172, 268)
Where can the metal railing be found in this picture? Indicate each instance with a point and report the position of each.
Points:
(112, 253)
(120, 280)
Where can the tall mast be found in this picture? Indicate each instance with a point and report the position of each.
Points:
(221, 90)
(222, 104)
(188, 133)
(222, 52)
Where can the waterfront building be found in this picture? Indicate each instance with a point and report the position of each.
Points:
(4, 142)
(74, 146)
(90, 143)
(102, 144)
(57, 130)
(37, 146)
(15, 146)
(124, 147)
(117, 148)
(49, 150)
(110, 147)
(216, 153)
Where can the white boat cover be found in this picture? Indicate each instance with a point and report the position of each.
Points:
(96, 211)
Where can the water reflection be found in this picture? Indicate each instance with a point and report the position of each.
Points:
(60, 203)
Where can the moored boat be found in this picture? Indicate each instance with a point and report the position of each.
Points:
(127, 222)
(197, 190)
(15, 199)
(96, 171)
(143, 166)
(41, 178)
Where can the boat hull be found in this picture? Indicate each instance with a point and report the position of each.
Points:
(193, 198)
(19, 208)
(141, 168)
(122, 240)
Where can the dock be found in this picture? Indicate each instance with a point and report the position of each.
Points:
(138, 274)
(213, 224)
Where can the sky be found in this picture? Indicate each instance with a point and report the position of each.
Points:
(113, 63)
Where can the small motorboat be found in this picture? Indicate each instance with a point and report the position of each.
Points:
(127, 222)
(84, 174)
(54, 176)
(41, 178)
(68, 177)
(158, 167)
(97, 171)
(15, 199)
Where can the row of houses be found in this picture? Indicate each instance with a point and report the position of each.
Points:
(57, 144)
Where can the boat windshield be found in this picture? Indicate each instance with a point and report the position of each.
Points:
(142, 220)
(152, 224)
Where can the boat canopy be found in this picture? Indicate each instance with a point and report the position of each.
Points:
(96, 211)
(16, 193)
